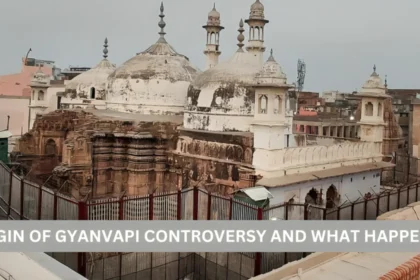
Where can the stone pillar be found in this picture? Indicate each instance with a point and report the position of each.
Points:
(320, 130)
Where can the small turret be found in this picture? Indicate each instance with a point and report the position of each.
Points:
(213, 29)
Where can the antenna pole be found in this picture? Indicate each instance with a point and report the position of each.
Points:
(8, 121)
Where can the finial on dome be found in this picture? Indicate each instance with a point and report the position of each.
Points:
(105, 51)
(386, 81)
(374, 68)
(214, 6)
(162, 23)
(241, 36)
(271, 58)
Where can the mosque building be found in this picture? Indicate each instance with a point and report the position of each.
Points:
(157, 123)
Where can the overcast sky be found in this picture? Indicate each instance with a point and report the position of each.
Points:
(339, 40)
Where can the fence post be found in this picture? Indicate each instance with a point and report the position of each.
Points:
(56, 207)
(121, 208)
(352, 212)
(286, 212)
(338, 213)
(151, 200)
(417, 192)
(365, 210)
(40, 203)
(408, 195)
(257, 268)
(209, 206)
(9, 199)
(22, 193)
(398, 200)
(377, 205)
(305, 213)
(388, 202)
(231, 208)
(195, 203)
(81, 256)
(178, 205)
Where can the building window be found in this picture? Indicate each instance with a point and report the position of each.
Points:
(262, 104)
(277, 105)
(40, 95)
(379, 109)
(369, 109)
(50, 147)
(92, 93)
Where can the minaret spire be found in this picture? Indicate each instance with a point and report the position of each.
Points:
(105, 51)
(241, 36)
(162, 23)
(213, 29)
(271, 58)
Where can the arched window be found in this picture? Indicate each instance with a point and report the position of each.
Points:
(379, 109)
(50, 147)
(369, 109)
(212, 38)
(92, 93)
(332, 197)
(277, 105)
(40, 95)
(263, 104)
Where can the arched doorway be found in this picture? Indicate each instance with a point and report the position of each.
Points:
(332, 197)
(92, 93)
(312, 196)
(50, 147)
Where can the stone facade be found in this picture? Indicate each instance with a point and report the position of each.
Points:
(91, 153)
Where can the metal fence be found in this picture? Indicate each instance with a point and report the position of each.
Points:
(23, 200)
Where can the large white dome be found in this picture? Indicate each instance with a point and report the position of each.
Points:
(155, 81)
(222, 98)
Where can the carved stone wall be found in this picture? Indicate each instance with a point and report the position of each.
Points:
(100, 156)
(218, 162)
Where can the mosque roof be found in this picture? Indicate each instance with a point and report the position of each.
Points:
(160, 60)
(96, 76)
(373, 87)
(272, 74)
(241, 68)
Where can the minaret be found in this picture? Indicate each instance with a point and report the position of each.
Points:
(213, 29)
(373, 95)
(269, 125)
(256, 22)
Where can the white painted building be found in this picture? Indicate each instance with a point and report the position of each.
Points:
(247, 95)
(43, 96)
(241, 95)
(89, 88)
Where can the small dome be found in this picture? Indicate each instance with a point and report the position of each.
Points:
(257, 10)
(373, 87)
(94, 78)
(40, 78)
(271, 73)
(213, 17)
